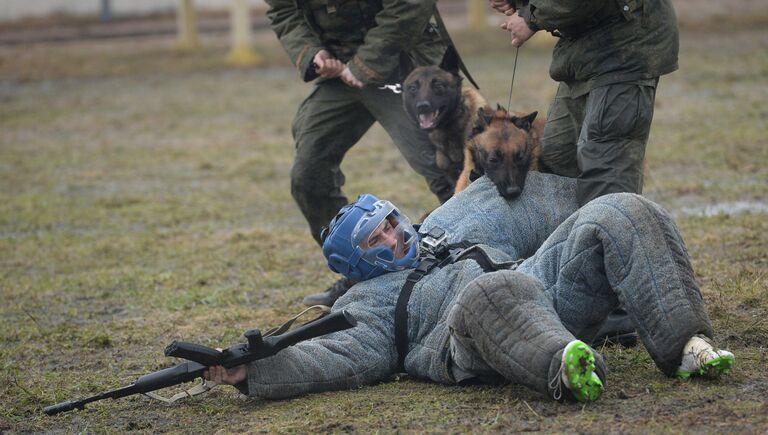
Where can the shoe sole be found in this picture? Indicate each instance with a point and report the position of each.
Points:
(711, 369)
(579, 366)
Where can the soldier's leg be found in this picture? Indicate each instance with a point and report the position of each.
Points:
(611, 146)
(504, 322)
(623, 249)
(328, 123)
(413, 143)
(561, 133)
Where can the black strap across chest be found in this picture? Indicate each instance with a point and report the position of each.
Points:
(401, 308)
(457, 252)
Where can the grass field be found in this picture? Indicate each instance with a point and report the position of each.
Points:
(144, 197)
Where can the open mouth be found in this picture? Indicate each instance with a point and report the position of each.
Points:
(428, 120)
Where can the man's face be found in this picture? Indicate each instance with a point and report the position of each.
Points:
(386, 234)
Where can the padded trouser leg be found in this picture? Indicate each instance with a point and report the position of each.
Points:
(623, 249)
(506, 320)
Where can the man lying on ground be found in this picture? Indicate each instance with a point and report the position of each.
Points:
(477, 314)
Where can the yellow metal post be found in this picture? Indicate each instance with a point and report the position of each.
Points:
(186, 23)
(241, 52)
(476, 13)
(542, 39)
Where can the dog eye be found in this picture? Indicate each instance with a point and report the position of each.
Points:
(496, 157)
(438, 86)
(413, 88)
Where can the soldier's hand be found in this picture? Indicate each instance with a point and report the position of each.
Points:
(502, 6)
(220, 375)
(350, 79)
(327, 66)
(517, 28)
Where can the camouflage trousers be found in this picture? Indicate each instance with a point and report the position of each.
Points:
(328, 123)
(600, 137)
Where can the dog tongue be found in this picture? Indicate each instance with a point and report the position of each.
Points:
(427, 120)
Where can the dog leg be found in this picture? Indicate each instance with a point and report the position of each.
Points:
(469, 165)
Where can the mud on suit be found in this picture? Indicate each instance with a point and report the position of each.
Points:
(381, 41)
(608, 60)
(509, 325)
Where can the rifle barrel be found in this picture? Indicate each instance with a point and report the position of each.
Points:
(80, 404)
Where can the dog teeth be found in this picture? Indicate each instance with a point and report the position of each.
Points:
(427, 120)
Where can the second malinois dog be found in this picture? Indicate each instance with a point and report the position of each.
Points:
(434, 98)
(504, 147)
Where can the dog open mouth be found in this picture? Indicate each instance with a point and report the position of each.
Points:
(428, 120)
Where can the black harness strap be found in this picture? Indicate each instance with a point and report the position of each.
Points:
(456, 252)
(401, 309)
(481, 258)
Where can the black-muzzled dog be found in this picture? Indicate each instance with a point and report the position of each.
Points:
(434, 98)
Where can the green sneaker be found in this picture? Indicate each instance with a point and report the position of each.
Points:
(578, 372)
(700, 358)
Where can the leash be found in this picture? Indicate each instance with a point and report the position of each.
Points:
(512, 85)
(442, 30)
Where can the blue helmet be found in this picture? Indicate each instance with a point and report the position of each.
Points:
(350, 249)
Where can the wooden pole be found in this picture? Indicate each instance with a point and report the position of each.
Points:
(241, 53)
(106, 11)
(186, 23)
(476, 14)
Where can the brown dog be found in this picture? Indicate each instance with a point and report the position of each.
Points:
(434, 98)
(504, 147)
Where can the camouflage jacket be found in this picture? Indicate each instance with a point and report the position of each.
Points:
(606, 41)
(381, 40)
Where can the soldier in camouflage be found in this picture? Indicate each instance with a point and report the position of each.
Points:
(352, 47)
(607, 61)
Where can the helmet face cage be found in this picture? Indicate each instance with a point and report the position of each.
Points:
(385, 221)
(350, 249)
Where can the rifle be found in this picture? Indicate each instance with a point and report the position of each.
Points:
(201, 357)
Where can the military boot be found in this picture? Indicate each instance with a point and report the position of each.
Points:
(329, 296)
(617, 329)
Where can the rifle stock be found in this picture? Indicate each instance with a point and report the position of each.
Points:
(202, 357)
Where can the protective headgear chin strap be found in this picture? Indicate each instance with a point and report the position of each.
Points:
(345, 241)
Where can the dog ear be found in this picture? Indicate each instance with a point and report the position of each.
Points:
(485, 115)
(450, 61)
(483, 119)
(525, 122)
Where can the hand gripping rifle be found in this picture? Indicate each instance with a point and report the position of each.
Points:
(201, 357)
